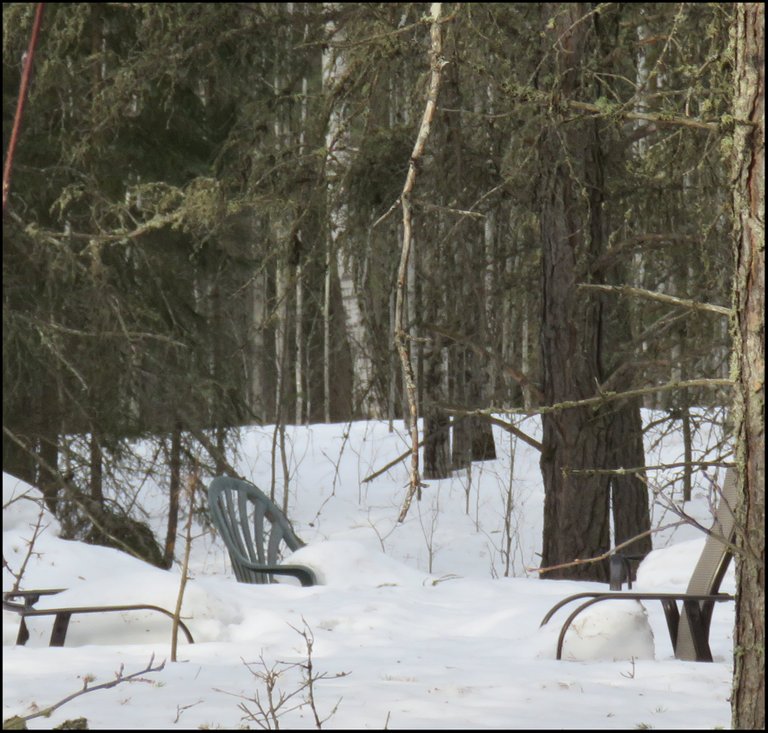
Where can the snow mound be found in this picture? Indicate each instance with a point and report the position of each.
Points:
(347, 564)
(610, 630)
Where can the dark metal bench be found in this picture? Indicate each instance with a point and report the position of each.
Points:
(254, 529)
(63, 615)
(689, 630)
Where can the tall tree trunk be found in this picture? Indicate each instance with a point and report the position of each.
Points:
(337, 162)
(584, 341)
(257, 363)
(748, 698)
(576, 509)
(436, 421)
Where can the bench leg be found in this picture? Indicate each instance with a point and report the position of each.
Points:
(60, 626)
(23, 635)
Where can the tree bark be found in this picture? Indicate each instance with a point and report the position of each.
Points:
(576, 507)
(174, 491)
(338, 158)
(748, 698)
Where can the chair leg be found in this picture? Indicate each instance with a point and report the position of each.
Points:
(60, 626)
(699, 630)
(673, 620)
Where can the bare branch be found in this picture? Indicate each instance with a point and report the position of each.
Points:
(119, 679)
(661, 297)
(604, 397)
(641, 469)
(605, 555)
(509, 427)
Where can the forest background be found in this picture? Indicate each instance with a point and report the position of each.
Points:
(237, 213)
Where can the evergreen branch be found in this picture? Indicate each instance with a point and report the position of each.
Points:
(70, 491)
(527, 94)
(661, 297)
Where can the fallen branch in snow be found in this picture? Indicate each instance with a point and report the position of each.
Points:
(18, 722)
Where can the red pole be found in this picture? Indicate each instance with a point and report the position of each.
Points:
(25, 74)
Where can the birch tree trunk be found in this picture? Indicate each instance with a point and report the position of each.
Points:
(340, 246)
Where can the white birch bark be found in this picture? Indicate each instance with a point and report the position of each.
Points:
(327, 339)
(256, 342)
(337, 162)
(299, 360)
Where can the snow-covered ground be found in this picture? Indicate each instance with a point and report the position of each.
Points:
(414, 627)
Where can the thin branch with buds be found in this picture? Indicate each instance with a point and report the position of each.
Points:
(18, 720)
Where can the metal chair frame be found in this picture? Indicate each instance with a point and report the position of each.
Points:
(689, 631)
(64, 614)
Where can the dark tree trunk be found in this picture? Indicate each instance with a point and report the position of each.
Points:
(436, 423)
(584, 338)
(174, 494)
(576, 506)
(629, 492)
(748, 698)
(48, 482)
(96, 478)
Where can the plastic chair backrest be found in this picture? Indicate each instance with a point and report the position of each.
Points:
(252, 526)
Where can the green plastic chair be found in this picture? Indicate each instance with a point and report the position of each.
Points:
(255, 531)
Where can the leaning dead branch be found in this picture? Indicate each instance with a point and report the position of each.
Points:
(401, 335)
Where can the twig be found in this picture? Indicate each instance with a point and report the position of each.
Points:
(403, 456)
(191, 485)
(640, 469)
(606, 555)
(119, 678)
(30, 551)
(509, 427)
